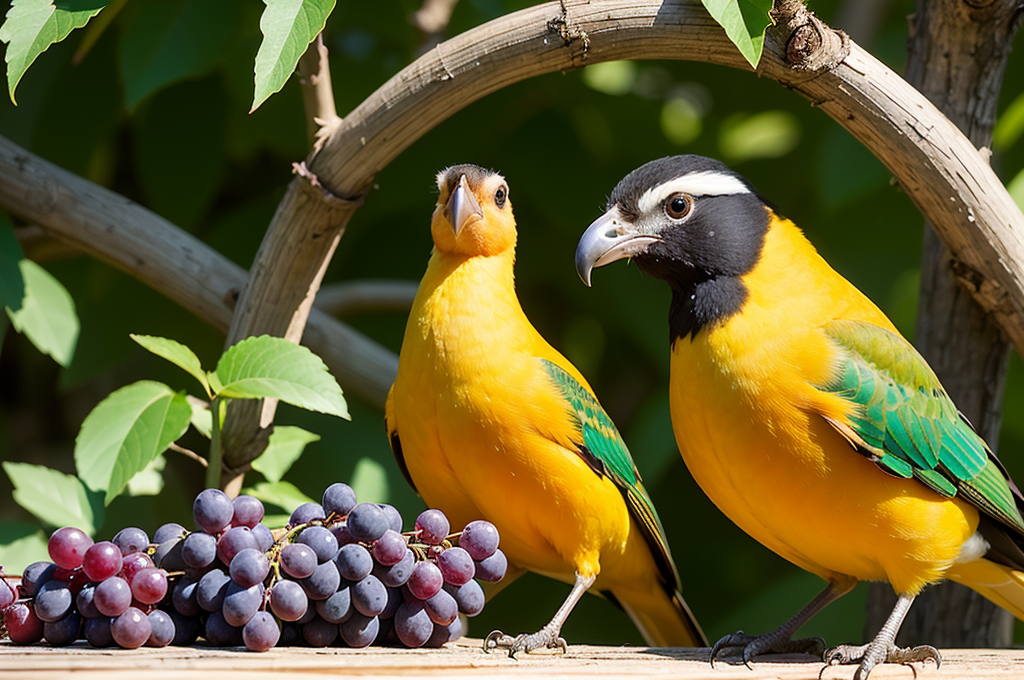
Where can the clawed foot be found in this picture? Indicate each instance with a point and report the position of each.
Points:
(775, 642)
(870, 655)
(545, 638)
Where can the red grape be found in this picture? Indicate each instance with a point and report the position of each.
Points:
(102, 560)
(67, 547)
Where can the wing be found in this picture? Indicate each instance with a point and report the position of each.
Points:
(907, 424)
(391, 426)
(605, 451)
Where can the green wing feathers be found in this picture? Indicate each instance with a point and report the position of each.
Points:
(908, 424)
(606, 452)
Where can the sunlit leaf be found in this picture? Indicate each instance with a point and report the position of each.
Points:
(284, 495)
(33, 25)
(202, 418)
(47, 316)
(744, 22)
(370, 481)
(611, 77)
(285, 446)
(21, 544)
(150, 480)
(175, 352)
(12, 284)
(55, 498)
(768, 134)
(288, 27)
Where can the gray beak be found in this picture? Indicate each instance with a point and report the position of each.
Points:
(462, 205)
(609, 238)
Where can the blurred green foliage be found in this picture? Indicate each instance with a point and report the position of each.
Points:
(188, 149)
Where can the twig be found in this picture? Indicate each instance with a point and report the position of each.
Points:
(354, 297)
(317, 92)
(188, 453)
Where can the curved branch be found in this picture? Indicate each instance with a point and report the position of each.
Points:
(372, 295)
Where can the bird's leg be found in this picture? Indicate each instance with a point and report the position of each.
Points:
(883, 648)
(781, 639)
(546, 637)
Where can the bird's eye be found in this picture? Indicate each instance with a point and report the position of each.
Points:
(499, 197)
(678, 206)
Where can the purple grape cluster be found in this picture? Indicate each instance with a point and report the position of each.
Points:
(341, 572)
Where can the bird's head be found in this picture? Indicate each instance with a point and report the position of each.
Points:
(685, 219)
(473, 216)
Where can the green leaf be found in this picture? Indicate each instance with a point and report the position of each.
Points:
(1010, 125)
(202, 418)
(284, 448)
(370, 481)
(266, 366)
(288, 27)
(55, 498)
(12, 284)
(284, 495)
(126, 431)
(33, 25)
(768, 134)
(21, 544)
(611, 77)
(150, 480)
(275, 521)
(47, 316)
(175, 352)
(744, 22)
(169, 40)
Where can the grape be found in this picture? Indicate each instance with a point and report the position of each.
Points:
(291, 634)
(199, 550)
(479, 539)
(78, 581)
(367, 522)
(433, 526)
(248, 511)
(84, 602)
(353, 562)
(221, 634)
(183, 597)
(493, 568)
(342, 535)
(168, 555)
(369, 596)
(67, 547)
(398, 573)
(442, 608)
(413, 624)
(470, 597)
(35, 575)
(7, 594)
(212, 510)
(102, 560)
(241, 604)
(23, 626)
(186, 629)
(297, 560)
(234, 541)
(131, 629)
(324, 580)
(288, 600)
(64, 630)
(149, 585)
(133, 563)
(390, 548)
(168, 531)
(337, 608)
(97, 631)
(306, 512)
(53, 601)
(249, 567)
(319, 633)
(211, 589)
(161, 629)
(339, 498)
(321, 541)
(442, 634)
(261, 633)
(394, 517)
(456, 566)
(394, 600)
(113, 596)
(264, 539)
(359, 630)
(130, 539)
(425, 581)
(308, 615)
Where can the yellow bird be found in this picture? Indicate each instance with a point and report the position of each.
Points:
(488, 421)
(803, 413)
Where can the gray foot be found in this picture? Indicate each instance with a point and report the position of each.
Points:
(545, 638)
(870, 655)
(775, 642)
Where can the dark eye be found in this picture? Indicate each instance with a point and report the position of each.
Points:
(499, 197)
(678, 206)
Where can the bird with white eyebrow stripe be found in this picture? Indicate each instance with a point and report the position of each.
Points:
(804, 414)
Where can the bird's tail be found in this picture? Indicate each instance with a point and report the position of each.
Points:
(663, 620)
(1000, 584)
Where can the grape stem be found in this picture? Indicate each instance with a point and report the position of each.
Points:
(216, 454)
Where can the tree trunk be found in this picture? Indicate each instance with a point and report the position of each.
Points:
(957, 55)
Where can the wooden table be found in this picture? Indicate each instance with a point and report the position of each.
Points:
(461, 659)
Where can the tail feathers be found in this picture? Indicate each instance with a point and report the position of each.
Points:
(1000, 584)
(663, 621)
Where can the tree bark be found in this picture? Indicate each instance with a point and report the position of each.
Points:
(957, 56)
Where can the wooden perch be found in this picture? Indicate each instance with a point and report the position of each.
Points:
(354, 297)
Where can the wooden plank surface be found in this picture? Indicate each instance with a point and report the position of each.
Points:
(462, 659)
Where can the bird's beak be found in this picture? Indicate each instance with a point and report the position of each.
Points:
(462, 205)
(609, 238)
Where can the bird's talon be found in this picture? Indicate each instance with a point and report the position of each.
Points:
(496, 639)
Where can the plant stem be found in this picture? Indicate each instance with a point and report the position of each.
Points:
(213, 471)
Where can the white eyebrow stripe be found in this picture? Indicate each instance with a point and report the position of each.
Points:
(707, 183)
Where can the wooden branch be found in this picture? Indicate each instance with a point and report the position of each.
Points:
(354, 297)
(112, 228)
